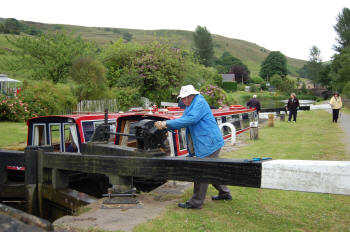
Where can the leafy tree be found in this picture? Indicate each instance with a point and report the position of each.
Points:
(89, 75)
(303, 71)
(275, 63)
(226, 61)
(241, 73)
(12, 26)
(341, 69)
(314, 65)
(325, 77)
(204, 47)
(127, 36)
(342, 28)
(155, 68)
(276, 81)
(49, 56)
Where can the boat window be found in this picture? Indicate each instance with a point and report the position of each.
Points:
(55, 137)
(71, 143)
(89, 128)
(39, 135)
(182, 139)
(129, 141)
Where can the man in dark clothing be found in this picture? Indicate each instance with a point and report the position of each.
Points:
(254, 103)
(292, 106)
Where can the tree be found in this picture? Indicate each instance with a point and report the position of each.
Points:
(12, 26)
(89, 75)
(325, 77)
(225, 62)
(204, 48)
(341, 69)
(127, 36)
(49, 56)
(314, 66)
(275, 63)
(155, 68)
(342, 28)
(241, 73)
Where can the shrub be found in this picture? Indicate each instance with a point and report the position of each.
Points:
(127, 97)
(346, 90)
(229, 86)
(13, 109)
(214, 95)
(257, 80)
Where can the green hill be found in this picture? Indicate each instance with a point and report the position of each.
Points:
(251, 54)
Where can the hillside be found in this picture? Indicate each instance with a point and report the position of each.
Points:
(251, 54)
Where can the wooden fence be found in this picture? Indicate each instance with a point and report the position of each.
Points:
(98, 105)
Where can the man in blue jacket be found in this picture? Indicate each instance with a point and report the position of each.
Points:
(204, 139)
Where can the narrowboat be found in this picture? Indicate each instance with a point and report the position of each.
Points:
(62, 131)
(67, 133)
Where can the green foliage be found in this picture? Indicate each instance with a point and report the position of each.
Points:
(314, 65)
(89, 75)
(341, 69)
(155, 68)
(13, 109)
(325, 78)
(229, 86)
(284, 85)
(11, 26)
(275, 63)
(346, 89)
(342, 28)
(225, 62)
(276, 81)
(127, 97)
(49, 56)
(203, 43)
(214, 95)
(257, 80)
(47, 98)
(127, 36)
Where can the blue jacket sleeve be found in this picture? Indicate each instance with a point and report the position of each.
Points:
(191, 117)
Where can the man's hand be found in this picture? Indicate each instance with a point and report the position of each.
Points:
(160, 125)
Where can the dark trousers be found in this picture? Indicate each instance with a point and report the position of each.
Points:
(294, 113)
(335, 115)
(200, 189)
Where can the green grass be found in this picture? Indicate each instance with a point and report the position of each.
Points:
(312, 137)
(13, 135)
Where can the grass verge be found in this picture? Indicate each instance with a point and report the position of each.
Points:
(13, 135)
(312, 137)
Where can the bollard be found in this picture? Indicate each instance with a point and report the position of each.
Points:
(254, 130)
(270, 122)
(282, 117)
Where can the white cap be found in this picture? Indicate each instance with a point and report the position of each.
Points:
(186, 91)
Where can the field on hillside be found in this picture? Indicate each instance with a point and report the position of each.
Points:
(250, 53)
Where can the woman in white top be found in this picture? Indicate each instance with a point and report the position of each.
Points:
(336, 104)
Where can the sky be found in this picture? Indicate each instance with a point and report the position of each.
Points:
(289, 26)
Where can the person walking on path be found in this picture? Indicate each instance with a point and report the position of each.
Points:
(254, 103)
(336, 105)
(292, 106)
(204, 140)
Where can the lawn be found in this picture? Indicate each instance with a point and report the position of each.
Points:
(13, 135)
(312, 137)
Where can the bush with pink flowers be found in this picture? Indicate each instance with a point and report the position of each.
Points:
(13, 109)
(214, 95)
